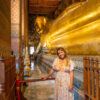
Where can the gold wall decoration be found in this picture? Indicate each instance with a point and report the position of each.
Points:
(15, 27)
(77, 29)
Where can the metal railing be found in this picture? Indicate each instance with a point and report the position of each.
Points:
(18, 85)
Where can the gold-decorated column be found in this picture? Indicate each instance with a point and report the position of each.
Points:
(27, 59)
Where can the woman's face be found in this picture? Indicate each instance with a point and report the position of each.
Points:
(61, 54)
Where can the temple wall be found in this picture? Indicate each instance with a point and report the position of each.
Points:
(5, 29)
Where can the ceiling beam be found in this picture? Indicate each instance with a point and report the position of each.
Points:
(42, 5)
(46, 11)
(43, 8)
(43, 13)
(40, 11)
(44, 0)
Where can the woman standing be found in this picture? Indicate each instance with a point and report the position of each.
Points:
(64, 67)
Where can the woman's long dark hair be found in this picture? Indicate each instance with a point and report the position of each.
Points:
(66, 57)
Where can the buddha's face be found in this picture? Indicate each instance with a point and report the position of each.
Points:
(61, 54)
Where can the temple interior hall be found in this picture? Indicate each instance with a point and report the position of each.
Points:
(42, 36)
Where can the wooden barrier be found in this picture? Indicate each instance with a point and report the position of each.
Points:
(91, 79)
(7, 79)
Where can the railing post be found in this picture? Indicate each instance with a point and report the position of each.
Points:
(97, 80)
(85, 70)
(2, 81)
(18, 87)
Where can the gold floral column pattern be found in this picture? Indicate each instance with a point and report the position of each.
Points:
(15, 29)
(16, 32)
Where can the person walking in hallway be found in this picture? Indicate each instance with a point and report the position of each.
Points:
(64, 68)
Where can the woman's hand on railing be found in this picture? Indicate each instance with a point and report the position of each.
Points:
(50, 73)
(45, 78)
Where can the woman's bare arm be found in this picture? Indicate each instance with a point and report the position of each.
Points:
(71, 80)
(50, 73)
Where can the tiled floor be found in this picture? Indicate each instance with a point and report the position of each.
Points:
(43, 90)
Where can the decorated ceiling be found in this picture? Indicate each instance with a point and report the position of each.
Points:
(43, 6)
